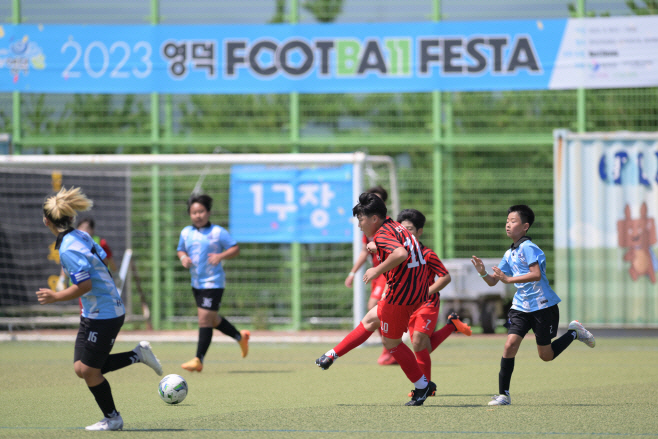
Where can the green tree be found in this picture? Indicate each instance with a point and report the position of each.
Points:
(325, 11)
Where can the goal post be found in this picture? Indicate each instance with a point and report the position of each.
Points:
(293, 282)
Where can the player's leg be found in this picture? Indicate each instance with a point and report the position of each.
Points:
(357, 337)
(92, 348)
(424, 321)
(377, 287)
(519, 325)
(394, 321)
(545, 323)
(224, 326)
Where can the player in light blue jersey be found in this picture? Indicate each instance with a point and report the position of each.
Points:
(201, 249)
(535, 303)
(102, 308)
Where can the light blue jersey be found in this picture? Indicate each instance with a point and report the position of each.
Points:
(529, 296)
(76, 253)
(198, 244)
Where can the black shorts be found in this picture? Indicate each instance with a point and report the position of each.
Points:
(543, 323)
(95, 340)
(208, 299)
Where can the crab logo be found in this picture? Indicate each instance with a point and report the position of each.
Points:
(20, 56)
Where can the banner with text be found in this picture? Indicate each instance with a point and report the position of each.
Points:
(331, 58)
(606, 205)
(283, 204)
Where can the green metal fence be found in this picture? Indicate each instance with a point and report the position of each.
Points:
(462, 158)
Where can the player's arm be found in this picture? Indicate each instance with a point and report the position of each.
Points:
(440, 284)
(482, 271)
(360, 260)
(46, 295)
(533, 275)
(397, 257)
(216, 258)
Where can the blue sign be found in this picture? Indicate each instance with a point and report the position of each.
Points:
(285, 204)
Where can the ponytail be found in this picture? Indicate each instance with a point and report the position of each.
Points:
(62, 208)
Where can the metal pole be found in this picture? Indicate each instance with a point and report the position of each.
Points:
(155, 196)
(16, 96)
(358, 298)
(437, 157)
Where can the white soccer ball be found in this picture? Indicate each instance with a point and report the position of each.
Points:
(172, 389)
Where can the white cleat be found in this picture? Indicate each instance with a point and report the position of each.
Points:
(146, 356)
(582, 334)
(107, 424)
(501, 400)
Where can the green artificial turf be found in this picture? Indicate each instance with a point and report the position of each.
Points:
(278, 392)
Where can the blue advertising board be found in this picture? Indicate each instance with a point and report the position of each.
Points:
(286, 204)
(331, 58)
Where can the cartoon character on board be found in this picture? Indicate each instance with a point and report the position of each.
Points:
(638, 235)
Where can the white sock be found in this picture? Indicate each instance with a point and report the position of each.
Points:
(421, 383)
(331, 354)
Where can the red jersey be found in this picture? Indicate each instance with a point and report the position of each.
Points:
(366, 240)
(436, 268)
(408, 282)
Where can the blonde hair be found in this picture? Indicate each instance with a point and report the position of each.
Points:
(61, 208)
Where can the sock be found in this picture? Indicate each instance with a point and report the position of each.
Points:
(505, 375)
(425, 363)
(357, 337)
(103, 395)
(118, 361)
(228, 329)
(421, 383)
(439, 336)
(563, 342)
(205, 338)
(407, 361)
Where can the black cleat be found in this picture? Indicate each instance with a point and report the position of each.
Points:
(324, 362)
(420, 395)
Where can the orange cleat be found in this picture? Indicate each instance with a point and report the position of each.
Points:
(386, 359)
(194, 365)
(244, 342)
(459, 325)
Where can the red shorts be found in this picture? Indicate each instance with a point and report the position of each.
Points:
(377, 287)
(424, 319)
(394, 319)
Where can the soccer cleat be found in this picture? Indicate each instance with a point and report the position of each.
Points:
(583, 334)
(107, 424)
(412, 393)
(501, 400)
(244, 342)
(194, 365)
(325, 361)
(147, 356)
(419, 396)
(459, 325)
(386, 359)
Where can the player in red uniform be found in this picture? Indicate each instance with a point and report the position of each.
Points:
(407, 278)
(379, 283)
(422, 324)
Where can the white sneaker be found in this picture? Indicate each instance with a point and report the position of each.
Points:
(501, 400)
(146, 356)
(583, 334)
(107, 424)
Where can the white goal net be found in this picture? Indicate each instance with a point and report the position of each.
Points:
(287, 212)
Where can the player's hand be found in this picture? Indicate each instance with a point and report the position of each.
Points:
(478, 264)
(498, 274)
(45, 296)
(186, 261)
(371, 247)
(214, 258)
(349, 280)
(370, 274)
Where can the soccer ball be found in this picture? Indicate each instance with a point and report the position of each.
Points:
(172, 389)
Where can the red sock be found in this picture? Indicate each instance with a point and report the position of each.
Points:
(407, 361)
(355, 338)
(438, 336)
(425, 363)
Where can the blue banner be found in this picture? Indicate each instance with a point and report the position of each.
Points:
(277, 204)
(331, 58)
